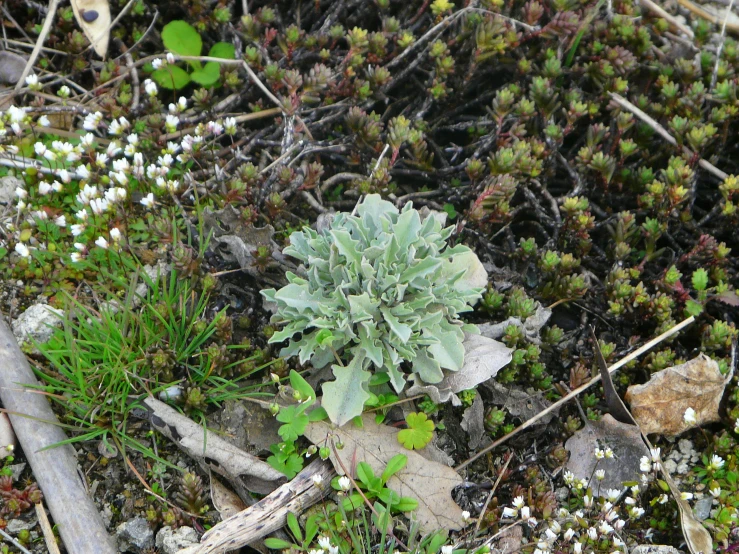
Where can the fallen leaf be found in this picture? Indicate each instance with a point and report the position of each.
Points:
(237, 241)
(93, 17)
(697, 538)
(473, 421)
(427, 481)
(520, 403)
(625, 441)
(483, 358)
(658, 406)
(224, 500)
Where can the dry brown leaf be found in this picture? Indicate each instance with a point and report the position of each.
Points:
(427, 481)
(93, 17)
(659, 405)
(483, 359)
(625, 441)
(697, 538)
(224, 499)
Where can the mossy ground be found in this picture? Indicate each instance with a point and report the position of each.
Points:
(502, 114)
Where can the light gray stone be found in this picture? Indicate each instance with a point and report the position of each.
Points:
(8, 185)
(37, 323)
(171, 541)
(702, 508)
(134, 536)
(654, 549)
(16, 525)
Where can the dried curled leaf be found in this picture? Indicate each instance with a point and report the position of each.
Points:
(659, 405)
(93, 17)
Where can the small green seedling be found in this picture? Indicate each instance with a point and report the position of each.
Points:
(305, 539)
(295, 418)
(374, 487)
(181, 38)
(419, 433)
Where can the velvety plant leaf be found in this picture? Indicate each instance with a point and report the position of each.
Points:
(344, 398)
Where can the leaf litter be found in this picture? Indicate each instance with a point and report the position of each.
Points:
(428, 481)
(659, 405)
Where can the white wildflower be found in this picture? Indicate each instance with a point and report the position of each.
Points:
(689, 417)
(22, 249)
(150, 87)
(101, 242)
(345, 483)
(43, 121)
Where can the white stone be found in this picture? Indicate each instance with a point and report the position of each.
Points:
(171, 541)
(37, 324)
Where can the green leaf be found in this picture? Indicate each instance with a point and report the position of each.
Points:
(693, 308)
(181, 38)
(319, 414)
(295, 423)
(301, 385)
(406, 504)
(224, 50)
(278, 544)
(208, 76)
(171, 77)
(450, 210)
(394, 465)
(700, 279)
(344, 398)
(365, 473)
(419, 433)
(324, 337)
(292, 523)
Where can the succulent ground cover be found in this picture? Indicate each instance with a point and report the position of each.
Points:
(585, 151)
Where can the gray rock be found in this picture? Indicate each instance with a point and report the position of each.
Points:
(702, 508)
(134, 536)
(37, 323)
(8, 185)
(171, 541)
(16, 525)
(654, 549)
(16, 470)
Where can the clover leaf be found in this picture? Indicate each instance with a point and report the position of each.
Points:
(419, 433)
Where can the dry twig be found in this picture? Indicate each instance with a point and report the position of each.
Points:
(577, 391)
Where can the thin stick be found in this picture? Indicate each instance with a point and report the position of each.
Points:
(714, 75)
(490, 495)
(46, 529)
(14, 542)
(53, 4)
(635, 354)
(621, 101)
(672, 20)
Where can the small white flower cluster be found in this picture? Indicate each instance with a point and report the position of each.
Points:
(99, 176)
(325, 545)
(599, 522)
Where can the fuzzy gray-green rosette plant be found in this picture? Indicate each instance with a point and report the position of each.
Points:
(382, 291)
